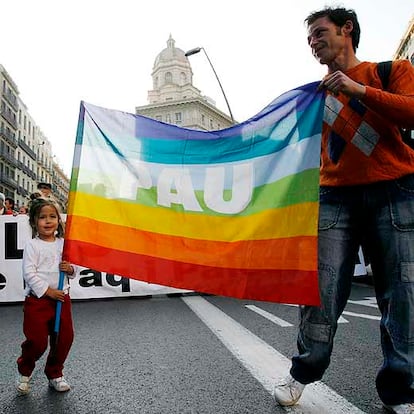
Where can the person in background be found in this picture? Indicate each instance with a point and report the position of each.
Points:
(42, 263)
(3, 209)
(9, 204)
(45, 189)
(33, 196)
(23, 210)
(366, 198)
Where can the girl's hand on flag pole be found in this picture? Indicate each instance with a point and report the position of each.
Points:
(66, 267)
(55, 294)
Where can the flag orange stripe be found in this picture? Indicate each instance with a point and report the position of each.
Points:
(283, 253)
(286, 286)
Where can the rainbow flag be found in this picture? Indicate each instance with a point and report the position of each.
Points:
(231, 212)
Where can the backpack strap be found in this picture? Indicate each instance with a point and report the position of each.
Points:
(384, 71)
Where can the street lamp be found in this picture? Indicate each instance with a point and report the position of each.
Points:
(198, 50)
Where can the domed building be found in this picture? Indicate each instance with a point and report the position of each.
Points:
(175, 100)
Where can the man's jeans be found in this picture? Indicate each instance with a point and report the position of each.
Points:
(380, 217)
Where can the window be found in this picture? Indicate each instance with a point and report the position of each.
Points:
(168, 77)
(178, 118)
(168, 118)
(158, 117)
(211, 123)
(203, 119)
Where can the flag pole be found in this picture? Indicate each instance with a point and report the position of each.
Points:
(58, 307)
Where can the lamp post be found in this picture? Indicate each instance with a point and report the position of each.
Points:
(198, 50)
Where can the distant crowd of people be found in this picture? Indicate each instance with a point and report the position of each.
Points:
(8, 205)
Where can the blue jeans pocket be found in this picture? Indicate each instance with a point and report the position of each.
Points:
(402, 203)
(329, 208)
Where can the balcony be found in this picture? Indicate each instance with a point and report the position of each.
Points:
(8, 157)
(7, 116)
(9, 137)
(12, 100)
(42, 161)
(8, 180)
(27, 149)
(21, 191)
(26, 170)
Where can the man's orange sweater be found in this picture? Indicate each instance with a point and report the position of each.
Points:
(360, 140)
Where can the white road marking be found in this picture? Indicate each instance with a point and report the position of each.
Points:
(358, 315)
(362, 315)
(265, 363)
(279, 321)
(369, 301)
(268, 315)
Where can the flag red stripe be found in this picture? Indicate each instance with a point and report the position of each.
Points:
(276, 285)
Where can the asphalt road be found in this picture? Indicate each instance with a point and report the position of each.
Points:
(162, 355)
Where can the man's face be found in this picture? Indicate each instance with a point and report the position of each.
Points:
(7, 204)
(326, 40)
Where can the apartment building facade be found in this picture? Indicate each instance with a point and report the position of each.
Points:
(405, 49)
(26, 156)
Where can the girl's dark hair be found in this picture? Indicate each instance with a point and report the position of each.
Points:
(338, 16)
(34, 213)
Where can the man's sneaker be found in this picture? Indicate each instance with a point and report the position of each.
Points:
(59, 384)
(401, 408)
(288, 391)
(23, 386)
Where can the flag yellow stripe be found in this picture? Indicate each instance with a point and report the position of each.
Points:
(291, 221)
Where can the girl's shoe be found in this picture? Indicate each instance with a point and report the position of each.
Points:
(59, 384)
(23, 385)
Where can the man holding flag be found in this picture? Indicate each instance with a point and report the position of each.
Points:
(366, 198)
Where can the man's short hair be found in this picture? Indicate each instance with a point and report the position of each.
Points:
(44, 185)
(338, 16)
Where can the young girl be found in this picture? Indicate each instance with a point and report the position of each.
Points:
(41, 265)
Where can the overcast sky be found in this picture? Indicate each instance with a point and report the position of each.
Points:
(61, 52)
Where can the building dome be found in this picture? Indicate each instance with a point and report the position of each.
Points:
(171, 53)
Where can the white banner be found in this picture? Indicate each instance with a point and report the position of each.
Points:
(15, 231)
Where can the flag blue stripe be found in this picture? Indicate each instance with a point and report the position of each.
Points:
(283, 122)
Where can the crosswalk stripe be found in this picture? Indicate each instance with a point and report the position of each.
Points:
(362, 315)
(279, 321)
(368, 301)
(269, 316)
(265, 363)
(358, 315)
